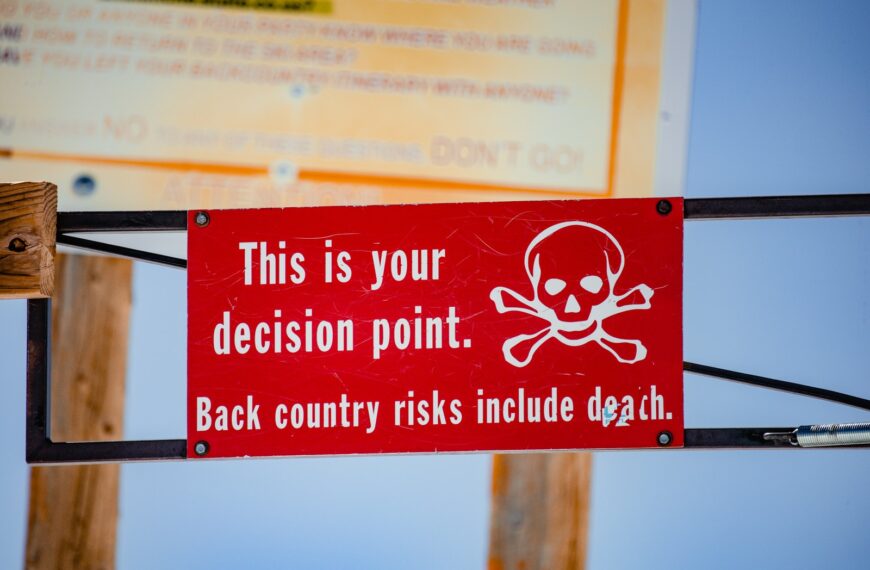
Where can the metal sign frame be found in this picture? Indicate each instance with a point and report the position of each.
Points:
(40, 448)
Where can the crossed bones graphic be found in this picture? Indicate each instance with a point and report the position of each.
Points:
(573, 268)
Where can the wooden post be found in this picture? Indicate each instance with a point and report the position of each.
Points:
(73, 509)
(540, 511)
(28, 218)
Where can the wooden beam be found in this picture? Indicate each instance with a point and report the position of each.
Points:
(28, 221)
(74, 509)
(540, 511)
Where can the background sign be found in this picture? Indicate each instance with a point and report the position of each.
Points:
(441, 327)
(165, 105)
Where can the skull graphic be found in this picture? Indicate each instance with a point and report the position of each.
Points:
(573, 268)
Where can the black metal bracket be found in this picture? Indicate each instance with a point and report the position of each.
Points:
(41, 449)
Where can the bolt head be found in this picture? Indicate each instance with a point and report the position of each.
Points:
(664, 207)
(664, 438)
(201, 219)
(200, 448)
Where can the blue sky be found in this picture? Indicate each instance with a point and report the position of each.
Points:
(781, 105)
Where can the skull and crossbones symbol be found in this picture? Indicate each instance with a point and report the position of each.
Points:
(573, 268)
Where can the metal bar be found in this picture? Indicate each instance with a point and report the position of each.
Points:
(141, 221)
(110, 451)
(122, 251)
(782, 385)
(176, 449)
(744, 438)
(39, 448)
(694, 209)
(776, 206)
(747, 437)
(38, 363)
(707, 438)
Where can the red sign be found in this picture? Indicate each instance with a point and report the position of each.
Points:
(428, 328)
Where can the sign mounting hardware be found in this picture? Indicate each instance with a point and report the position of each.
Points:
(41, 448)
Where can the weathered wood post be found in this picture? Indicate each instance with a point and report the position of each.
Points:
(73, 509)
(540, 511)
(28, 218)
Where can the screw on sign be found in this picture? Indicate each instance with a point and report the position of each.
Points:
(663, 207)
(435, 328)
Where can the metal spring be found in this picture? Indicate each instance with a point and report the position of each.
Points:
(833, 434)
